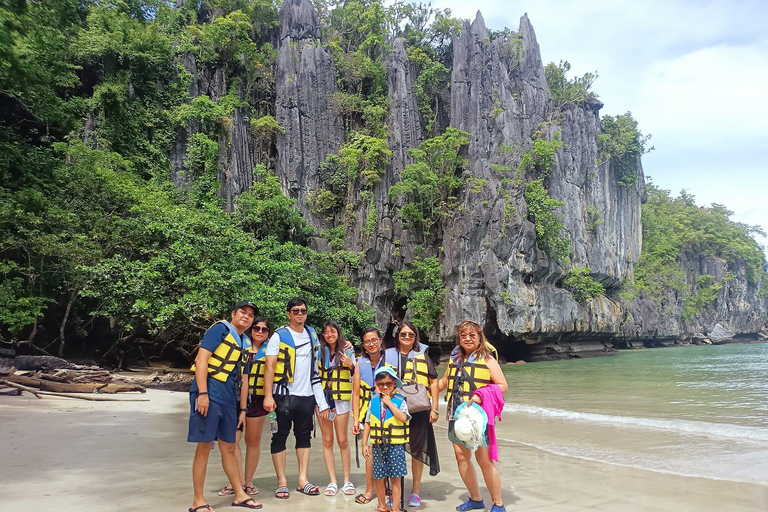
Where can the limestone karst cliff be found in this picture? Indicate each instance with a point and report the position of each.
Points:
(493, 269)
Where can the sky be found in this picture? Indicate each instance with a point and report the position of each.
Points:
(694, 74)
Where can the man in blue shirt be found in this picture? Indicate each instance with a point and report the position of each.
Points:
(214, 398)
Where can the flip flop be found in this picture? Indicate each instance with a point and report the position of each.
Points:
(332, 489)
(245, 504)
(362, 499)
(349, 488)
(251, 490)
(309, 490)
(227, 491)
(201, 507)
(284, 491)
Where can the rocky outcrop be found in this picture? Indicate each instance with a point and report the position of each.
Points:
(305, 82)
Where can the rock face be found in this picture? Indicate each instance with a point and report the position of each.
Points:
(305, 80)
(493, 269)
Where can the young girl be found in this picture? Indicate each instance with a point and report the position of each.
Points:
(386, 426)
(473, 366)
(337, 365)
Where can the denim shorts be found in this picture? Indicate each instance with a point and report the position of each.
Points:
(219, 424)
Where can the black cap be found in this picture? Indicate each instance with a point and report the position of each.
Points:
(245, 304)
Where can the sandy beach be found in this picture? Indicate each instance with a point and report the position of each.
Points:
(64, 455)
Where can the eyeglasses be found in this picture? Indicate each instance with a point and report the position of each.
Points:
(371, 343)
(389, 384)
(299, 311)
(407, 335)
(470, 335)
(258, 328)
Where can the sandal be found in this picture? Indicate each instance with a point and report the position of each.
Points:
(309, 490)
(227, 491)
(362, 499)
(331, 490)
(414, 500)
(282, 493)
(249, 503)
(251, 490)
(201, 507)
(349, 488)
(379, 509)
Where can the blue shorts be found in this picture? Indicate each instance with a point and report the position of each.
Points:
(388, 461)
(220, 423)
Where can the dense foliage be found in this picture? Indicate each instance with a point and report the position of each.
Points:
(568, 91)
(674, 229)
(421, 284)
(624, 144)
(101, 253)
(550, 235)
(581, 284)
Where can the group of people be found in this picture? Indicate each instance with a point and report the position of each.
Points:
(246, 373)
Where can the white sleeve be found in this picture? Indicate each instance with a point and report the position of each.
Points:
(317, 389)
(404, 408)
(273, 347)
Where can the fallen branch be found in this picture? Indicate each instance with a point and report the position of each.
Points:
(91, 398)
(63, 387)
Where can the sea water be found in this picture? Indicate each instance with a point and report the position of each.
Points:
(697, 411)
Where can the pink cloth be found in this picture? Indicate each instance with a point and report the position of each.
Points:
(493, 405)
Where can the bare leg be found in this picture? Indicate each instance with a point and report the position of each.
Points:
(254, 427)
(369, 482)
(199, 465)
(467, 471)
(341, 424)
(326, 428)
(381, 492)
(302, 456)
(490, 474)
(396, 493)
(278, 460)
(229, 462)
(418, 471)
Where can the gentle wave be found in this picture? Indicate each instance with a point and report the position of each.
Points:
(717, 430)
(638, 463)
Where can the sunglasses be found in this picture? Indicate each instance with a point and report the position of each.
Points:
(299, 311)
(388, 384)
(407, 335)
(258, 328)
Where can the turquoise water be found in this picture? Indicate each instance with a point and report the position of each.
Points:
(698, 411)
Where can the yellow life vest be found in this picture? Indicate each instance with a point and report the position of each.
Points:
(228, 355)
(417, 370)
(256, 374)
(365, 369)
(391, 431)
(475, 373)
(286, 357)
(337, 379)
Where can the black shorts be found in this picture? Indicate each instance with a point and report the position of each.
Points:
(256, 407)
(298, 411)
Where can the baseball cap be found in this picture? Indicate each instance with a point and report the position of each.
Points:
(245, 304)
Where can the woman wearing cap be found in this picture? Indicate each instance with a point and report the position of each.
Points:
(255, 413)
(362, 392)
(409, 360)
(337, 366)
(472, 366)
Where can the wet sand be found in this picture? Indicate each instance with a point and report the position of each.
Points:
(62, 454)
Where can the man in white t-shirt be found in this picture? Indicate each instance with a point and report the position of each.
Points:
(292, 388)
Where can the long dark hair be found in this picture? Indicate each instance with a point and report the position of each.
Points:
(415, 333)
(340, 340)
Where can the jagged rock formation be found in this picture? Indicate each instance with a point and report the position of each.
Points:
(305, 79)
(494, 271)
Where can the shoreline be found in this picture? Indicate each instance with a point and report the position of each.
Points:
(63, 454)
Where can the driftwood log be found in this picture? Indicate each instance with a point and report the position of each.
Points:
(92, 398)
(64, 387)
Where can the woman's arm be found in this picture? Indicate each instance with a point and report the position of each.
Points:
(497, 376)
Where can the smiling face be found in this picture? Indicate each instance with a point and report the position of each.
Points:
(469, 339)
(407, 338)
(259, 333)
(330, 335)
(372, 343)
(242, 318)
